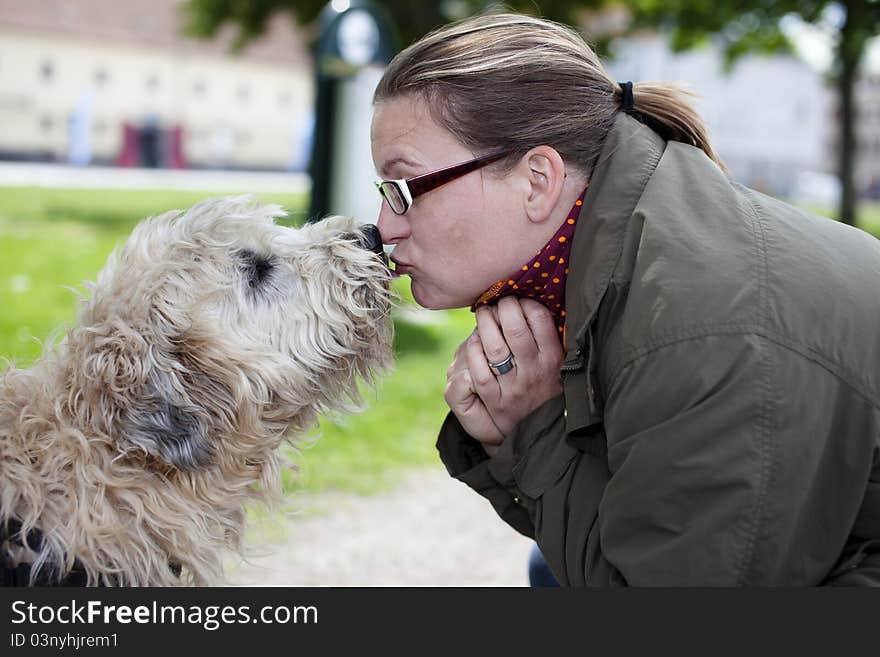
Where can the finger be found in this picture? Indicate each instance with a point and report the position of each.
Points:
(495, 347)
(543, 327)
(453, 368)
(483, 378)
(516, 330)
(459, 389)
(471, 410)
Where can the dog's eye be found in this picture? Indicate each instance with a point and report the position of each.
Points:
(256, 268)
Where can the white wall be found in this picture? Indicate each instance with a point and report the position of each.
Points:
(232, 111)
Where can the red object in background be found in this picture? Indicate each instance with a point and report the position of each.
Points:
(175, 158)
(129, 155)
(151, 147)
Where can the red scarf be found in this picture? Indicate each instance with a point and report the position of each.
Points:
(543, 277)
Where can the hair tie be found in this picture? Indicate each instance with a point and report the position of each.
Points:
(627, 104)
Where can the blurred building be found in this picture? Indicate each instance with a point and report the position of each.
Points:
(768, 118)
(115, 82)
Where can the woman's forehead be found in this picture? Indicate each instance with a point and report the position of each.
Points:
(402, 121)
(404, 132)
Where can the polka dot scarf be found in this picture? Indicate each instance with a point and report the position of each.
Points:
(543, 277)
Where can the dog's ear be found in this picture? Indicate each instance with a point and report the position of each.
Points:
(182, 411)
(175, 432)
(169, 403)
(169, 427)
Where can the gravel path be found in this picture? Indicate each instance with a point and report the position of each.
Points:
(429, 531)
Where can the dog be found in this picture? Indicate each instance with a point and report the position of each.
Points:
(130, 450)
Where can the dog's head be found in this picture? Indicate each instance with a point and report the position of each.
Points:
(215, 332)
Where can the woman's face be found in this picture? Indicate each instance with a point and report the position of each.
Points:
(455, 241)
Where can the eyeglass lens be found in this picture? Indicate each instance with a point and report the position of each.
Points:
(393, 195)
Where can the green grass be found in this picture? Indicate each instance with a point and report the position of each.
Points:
(53, 239)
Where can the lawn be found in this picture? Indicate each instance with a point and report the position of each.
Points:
(52, 240)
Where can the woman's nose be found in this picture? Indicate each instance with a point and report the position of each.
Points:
(392, 227)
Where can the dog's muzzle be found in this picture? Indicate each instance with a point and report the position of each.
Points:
(372, 241)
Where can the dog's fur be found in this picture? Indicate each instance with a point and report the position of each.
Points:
(135, 444)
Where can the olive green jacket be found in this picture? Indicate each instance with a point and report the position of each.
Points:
(720, 422)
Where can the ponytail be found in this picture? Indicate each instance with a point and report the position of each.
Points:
(668, 111)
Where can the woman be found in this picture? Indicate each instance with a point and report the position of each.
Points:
(673, 380)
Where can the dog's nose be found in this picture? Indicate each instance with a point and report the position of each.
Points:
(372, 241)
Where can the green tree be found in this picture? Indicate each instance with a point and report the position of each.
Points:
(742, 27)
(204, 17)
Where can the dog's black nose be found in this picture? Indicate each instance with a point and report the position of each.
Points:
(372, 241)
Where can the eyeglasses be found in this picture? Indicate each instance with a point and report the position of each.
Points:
(400, 193)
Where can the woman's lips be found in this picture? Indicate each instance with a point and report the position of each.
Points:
(400, 269)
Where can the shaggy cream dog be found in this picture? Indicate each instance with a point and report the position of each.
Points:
(129, 452)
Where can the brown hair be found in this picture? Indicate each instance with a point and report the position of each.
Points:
(513, 81)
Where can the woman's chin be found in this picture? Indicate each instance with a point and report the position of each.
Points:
(423, 298)
(434, 299)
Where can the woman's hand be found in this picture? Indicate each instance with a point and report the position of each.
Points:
(490, 407)
(465, 403)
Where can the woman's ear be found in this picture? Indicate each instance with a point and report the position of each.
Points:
(545, 171)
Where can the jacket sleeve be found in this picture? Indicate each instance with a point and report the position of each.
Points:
(466, 460)
(735, 460)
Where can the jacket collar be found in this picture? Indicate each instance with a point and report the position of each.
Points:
(628, 159)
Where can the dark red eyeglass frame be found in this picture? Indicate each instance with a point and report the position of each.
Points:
(400, 193)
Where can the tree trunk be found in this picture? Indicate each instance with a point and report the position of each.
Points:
(850, 49)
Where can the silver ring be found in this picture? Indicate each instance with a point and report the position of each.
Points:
(504, 366)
